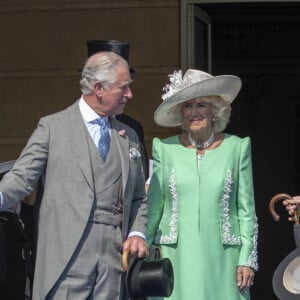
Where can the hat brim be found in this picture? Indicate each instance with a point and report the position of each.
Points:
(284, 274)
(133, 261)
(133, 72)
(168, 114)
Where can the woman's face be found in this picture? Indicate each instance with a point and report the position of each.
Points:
(197, 114)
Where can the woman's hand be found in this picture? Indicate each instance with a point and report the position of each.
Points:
(244, 277)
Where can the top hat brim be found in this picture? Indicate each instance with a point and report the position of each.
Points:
(168, 114)
(286, 278)
(133, 72)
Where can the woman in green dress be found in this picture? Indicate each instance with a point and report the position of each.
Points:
(201, 199)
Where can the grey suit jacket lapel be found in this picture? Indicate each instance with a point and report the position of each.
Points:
(122, 142)
(76, 133)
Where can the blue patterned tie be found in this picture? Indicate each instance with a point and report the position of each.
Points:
(104, 141)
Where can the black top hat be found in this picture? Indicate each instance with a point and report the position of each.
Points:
(118, 47)
(149, 278)
(5, 167)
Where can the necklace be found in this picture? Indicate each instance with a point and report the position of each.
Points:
(203, 145)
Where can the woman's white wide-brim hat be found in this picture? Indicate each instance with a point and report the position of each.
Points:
(193, 84)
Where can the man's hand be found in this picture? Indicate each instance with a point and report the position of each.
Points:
(133, 245)
(136, 245)
(291, 206)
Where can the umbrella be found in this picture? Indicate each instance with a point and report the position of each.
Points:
(286, 278)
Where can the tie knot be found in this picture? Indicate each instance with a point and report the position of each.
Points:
(102, 122)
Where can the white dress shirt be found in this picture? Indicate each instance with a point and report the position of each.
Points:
(89, 117)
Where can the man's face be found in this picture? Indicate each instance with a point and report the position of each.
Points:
(111, 101)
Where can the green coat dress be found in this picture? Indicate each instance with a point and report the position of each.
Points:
(202, 215)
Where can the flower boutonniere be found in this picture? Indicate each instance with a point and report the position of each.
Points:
(122, 132)
(134, 153)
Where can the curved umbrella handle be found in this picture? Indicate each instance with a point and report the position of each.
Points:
(276, 198)
(125, 259)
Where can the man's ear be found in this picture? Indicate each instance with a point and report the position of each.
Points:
(98, 88)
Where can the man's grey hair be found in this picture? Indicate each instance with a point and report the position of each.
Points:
(100, 67)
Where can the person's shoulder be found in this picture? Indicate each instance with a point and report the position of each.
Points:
(131, 122)
(166, 141)
(237, 143)
(237, 139)
(64, 111)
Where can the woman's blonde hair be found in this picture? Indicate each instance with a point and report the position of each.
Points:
(221, 111)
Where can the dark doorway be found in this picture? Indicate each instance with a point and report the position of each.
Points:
(260, 43)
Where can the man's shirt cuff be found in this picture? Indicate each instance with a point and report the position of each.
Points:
(137, 233)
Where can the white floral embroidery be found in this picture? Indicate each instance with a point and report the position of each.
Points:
(179, 82)
(253, 261)
(134, 153)
(171, 237)
(227, 238)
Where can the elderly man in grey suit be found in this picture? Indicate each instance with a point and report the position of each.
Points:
(94, 203)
